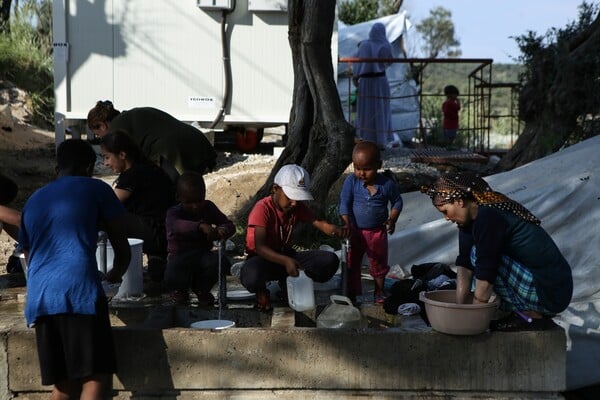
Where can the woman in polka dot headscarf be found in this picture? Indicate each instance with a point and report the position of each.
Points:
(503, 250)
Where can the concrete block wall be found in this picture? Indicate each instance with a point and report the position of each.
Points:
(263, 363)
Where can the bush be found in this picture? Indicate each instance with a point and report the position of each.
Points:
(26, 60)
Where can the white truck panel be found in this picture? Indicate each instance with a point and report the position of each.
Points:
(167, 54)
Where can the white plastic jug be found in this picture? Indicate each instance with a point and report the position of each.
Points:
(301, 294)
(133, 280)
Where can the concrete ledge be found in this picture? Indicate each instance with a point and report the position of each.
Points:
(320, 395)
(257, 363)
(4, 392)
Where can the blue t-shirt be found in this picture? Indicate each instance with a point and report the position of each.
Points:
(367, 211)
(59, 228)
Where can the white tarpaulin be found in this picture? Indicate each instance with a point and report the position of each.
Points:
(404, 102)
(563, 190)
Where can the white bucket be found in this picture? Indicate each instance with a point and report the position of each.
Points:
(133, 281)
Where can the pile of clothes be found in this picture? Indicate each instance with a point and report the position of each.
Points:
(403, 295)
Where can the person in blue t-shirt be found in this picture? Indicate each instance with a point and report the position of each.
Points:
(503, 250)
(65, 300)
(364, 202)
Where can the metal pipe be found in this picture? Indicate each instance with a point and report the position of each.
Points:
(103, 241)
(222, 279)
(345, 261)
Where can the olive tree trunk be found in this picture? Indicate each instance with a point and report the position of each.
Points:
(5, 16)
(319, 137)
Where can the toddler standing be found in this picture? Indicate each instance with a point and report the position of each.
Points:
(364, 210)
(450, 108)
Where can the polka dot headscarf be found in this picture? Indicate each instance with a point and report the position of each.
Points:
(464, 185)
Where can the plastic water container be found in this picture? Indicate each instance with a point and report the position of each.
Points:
(236, 269)
(340, 314)
(133, 281)
(301, 294)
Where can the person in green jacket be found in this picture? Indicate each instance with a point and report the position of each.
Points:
(172, 144)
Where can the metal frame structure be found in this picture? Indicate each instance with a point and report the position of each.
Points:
(478, 97)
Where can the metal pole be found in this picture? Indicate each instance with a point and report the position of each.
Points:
(222, 279)
(103, 239)
(345, 255)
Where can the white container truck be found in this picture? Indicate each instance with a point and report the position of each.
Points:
(174, 55)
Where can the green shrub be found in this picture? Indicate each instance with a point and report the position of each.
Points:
(26, 59)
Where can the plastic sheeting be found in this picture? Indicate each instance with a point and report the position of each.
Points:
(405, 102)
(563, 190)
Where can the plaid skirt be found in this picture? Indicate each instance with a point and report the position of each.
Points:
(514, 285)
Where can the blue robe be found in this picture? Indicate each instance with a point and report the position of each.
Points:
(373, 119)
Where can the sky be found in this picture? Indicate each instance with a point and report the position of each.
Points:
(484, 27)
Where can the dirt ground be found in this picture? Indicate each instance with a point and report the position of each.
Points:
(27, 157)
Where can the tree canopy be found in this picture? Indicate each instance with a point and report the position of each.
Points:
(319, 137)
(355, 11)
(438, 34)
(559, 100)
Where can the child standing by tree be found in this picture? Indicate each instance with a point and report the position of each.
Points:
(364, 210)
(450, 108)
(192, 226)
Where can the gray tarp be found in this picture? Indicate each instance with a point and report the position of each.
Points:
(563, 190)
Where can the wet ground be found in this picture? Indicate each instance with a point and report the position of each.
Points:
(156, 309)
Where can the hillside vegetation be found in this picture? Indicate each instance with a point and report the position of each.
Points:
(25, 57)
(436, 76)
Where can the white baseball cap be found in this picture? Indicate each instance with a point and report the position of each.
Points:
(295, 181)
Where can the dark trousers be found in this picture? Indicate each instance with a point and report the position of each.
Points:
(154, 237)
(155, 243)
(318, 265)
(197, 270)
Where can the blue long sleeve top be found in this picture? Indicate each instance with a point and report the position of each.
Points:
(366, 210)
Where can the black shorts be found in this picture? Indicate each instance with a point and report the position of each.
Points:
(75, 346)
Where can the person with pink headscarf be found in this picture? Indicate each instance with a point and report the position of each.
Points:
(373, 117)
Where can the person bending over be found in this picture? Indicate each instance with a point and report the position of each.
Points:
(503, 250)
(171, 144)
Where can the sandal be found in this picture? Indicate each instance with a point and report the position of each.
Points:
(515, 323)
(180, 297)
(379, 298)
(263, 301)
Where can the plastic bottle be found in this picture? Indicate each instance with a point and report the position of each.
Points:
(301, 294)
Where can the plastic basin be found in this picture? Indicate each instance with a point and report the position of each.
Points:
(456, 319)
